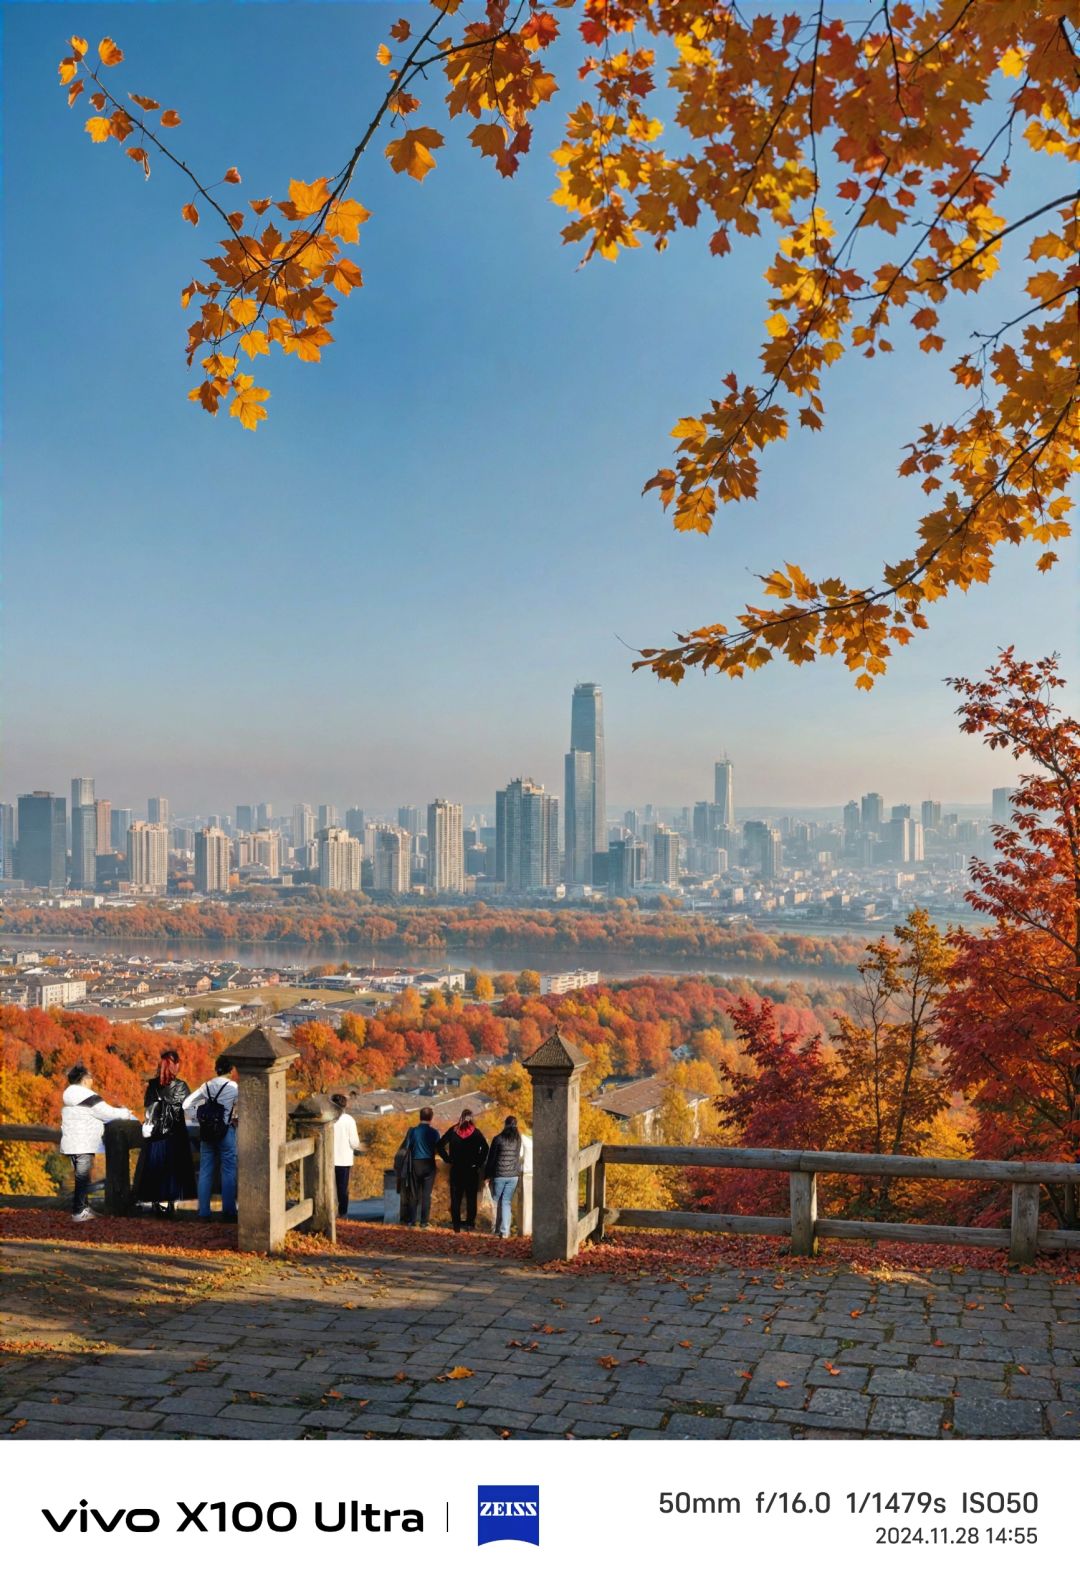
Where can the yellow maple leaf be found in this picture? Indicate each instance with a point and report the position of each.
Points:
(248, 407)
(461, 1372)
(253, 343)
(383, 55)
(243, 311)
(309, 197)
(776, 326)
(345, 218)
(98, 129)
(411, 152)
(1012, 62)
(79, 46)
(110, 53)
(68, 68)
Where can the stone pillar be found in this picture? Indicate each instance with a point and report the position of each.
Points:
(315, 1117)
(523, 1205)
(555, 1069)
(261, 1060)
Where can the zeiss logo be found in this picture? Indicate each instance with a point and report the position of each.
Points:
(508, 1512)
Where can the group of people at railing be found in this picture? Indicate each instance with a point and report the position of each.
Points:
(175, 1121)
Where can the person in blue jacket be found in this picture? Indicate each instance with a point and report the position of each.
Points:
(420, 1143)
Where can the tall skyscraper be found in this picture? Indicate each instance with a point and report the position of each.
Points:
(764, 848)
(211, 860)
(446, 847)
(245, 817)
(627, 866)
(931, 815)
(1001, 800)
(41, 850)
(266, 850)
(119, 827)
(587, 794)
(157, 810)
(328, 816)
(7, 841)
(264, 813)
(354, 823)
(411, 818)
(148, 855)
(851, 821)
(526, 837)
(303, 825)
(340, 860)
(724, 791)
(84, 846)
(82, 791)
(579, 818)
(104, 824)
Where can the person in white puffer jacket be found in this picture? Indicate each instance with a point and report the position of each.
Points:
(82, 1133)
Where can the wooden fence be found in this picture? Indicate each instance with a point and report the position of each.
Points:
(556, 1068)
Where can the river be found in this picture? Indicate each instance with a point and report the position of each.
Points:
(514, 956)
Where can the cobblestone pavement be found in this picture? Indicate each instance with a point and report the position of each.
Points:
(370, 1347)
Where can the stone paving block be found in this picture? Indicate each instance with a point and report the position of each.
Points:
(907, 1382)
(839, 1408)
(906, 1415)
(997, 1419)
(688, 1426)
(1063, 1418)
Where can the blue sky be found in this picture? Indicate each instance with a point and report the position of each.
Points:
(389, 591)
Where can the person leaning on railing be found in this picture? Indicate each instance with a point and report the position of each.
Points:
(82, 1133)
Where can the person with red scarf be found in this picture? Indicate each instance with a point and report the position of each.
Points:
(465, 1149)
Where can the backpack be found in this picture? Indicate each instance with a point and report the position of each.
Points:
(214, 1122)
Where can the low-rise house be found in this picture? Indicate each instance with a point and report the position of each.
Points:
(638, 1104)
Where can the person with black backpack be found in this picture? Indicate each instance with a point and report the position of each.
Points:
(213, 1109)
(164, 1174)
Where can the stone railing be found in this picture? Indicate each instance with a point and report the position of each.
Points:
(563, 1175)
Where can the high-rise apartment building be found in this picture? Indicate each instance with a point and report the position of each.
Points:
(41, 850)
(7, 841)
(579, 818)
(103, 809)
(391, 859)
(340, 859)
(354, 823)
(666, 856)
(526, 837)
(303, 825)
(446, 847)
(264, 814)
(148, 855)
(724, 791)
(266, 850)
(627, 865)
(157, 810)
(84, 846)
(119, 826)
(211, 860)
(245, 817)
(931, 815)
(410, 817)
(1001, 801)
(586, 791)
(328, 816)
(873, 811)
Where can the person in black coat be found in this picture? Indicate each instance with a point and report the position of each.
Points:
(164, 1173)
(465, 1149)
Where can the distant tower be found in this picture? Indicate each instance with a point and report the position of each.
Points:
(211, 860)
(157, 810)
(446, 847)
(586, 783)
(724, 796)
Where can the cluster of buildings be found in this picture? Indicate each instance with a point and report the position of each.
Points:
(756, 864)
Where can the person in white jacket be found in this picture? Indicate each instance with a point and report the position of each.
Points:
(346, 1146)
(82, 1133)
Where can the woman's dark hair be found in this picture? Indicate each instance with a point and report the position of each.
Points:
(340, 1102)
(510, 1129)
(77, 1075)
(223, 1066)
(168, 1066)
(466, 1118)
